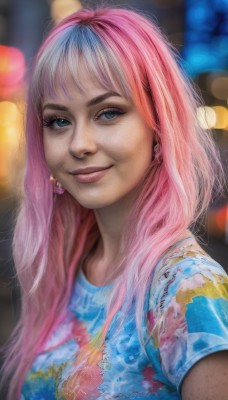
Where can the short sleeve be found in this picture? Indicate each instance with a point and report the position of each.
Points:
(189, 313)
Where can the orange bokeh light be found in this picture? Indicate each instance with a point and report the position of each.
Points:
(217, 221)
(221, 218)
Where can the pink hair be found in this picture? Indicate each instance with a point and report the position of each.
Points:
(120, 49)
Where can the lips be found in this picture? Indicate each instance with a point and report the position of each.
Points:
(90, 174)
(88, 170)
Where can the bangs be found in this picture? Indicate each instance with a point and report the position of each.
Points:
(77, 56)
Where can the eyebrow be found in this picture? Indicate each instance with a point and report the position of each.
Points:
(90, 103)
(101, 98)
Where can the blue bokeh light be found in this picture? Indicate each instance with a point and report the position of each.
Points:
(206, 36)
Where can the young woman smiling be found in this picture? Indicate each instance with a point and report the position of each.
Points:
(118, 299)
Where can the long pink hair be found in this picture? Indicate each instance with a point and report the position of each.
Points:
(119, 49)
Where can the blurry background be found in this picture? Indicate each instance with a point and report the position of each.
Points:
(199, 31)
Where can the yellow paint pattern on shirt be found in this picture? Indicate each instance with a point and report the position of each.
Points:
(213, 289)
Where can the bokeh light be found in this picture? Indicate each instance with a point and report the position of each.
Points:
(205, 36)
(62, 8)
(11, 154)
(206, 117)
(217, 221)
(12, 66)
(9, 114)
(219, 87)
(215, 117)
(221, 117)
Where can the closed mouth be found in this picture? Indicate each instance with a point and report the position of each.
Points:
(88, 170)
(90, 175)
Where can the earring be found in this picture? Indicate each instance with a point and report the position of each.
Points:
(56, 186)
(158, 153)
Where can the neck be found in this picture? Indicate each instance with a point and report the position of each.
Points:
(111, 222)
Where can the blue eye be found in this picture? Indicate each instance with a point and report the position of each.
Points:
(55, 122)
(61, 122)
(109, 114)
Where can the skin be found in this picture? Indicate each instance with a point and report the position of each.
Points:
(208, 379)
(98, 128)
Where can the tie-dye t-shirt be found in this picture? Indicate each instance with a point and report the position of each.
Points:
(186, 319)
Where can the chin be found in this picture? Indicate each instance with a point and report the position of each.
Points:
(95, 204)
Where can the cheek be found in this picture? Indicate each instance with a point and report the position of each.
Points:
(136, 148)
(48, 154)
(53, 153)
(144, 145)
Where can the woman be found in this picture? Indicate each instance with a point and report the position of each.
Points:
(118, 299)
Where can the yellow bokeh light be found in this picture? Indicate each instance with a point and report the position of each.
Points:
(221, 117)
(62, 8)
(206, 117)
(9, 113)
(11, 129)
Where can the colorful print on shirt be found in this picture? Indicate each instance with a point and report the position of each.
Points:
(187, 312)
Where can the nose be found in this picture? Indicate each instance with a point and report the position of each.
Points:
(83, 141)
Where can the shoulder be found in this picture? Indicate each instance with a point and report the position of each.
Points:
(207, 380)
(188, 308)
(186, 268)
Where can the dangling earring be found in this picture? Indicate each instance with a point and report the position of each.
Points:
(157, 153)
(56, 186)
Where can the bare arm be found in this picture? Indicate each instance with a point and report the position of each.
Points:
(208, 379)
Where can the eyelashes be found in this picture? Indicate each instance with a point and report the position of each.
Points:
(55, 122)
(107, 116)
